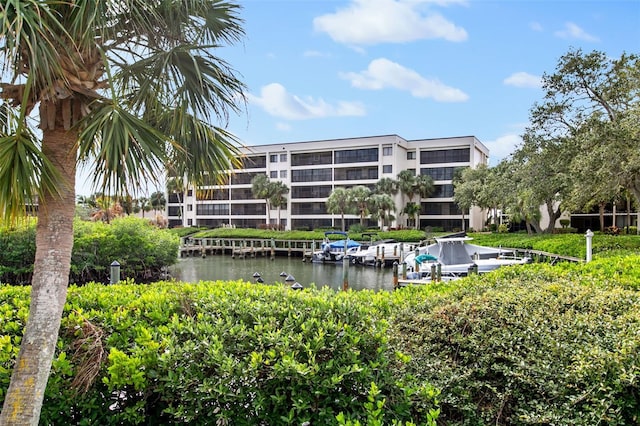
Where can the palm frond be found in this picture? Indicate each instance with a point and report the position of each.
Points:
(127, 150)
(25, 173)
(199, 150)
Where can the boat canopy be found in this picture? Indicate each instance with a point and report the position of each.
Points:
(425, 258)
(339, 245)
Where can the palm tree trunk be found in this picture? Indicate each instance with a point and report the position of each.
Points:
(54, 242)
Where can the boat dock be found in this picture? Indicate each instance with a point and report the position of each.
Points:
(243, 248)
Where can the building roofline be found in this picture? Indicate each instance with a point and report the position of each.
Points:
(392, 135)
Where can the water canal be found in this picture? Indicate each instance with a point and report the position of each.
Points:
(224, 267)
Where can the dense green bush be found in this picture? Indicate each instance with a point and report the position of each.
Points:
(405, 235)
(511, 350)
(532, 344)
(221, 353)
(563, 244)
(17, 253)
(141, 249)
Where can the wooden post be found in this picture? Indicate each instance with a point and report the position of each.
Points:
(395, 275)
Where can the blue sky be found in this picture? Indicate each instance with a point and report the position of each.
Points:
(330, 69)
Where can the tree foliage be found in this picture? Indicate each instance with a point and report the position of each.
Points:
(130, 90)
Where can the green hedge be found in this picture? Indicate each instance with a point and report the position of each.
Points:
(534, 344)
(536, 348)
(220, 353)
(141, 249)
(563, 244)
(407, 235)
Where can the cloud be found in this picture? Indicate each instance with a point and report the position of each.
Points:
(315, 54)
(502, 147)
(368, 22)
(523, 79)
(572, 31)
(383, 73)
(276, 101)
(535, 26)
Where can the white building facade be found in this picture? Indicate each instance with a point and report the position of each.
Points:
(311, 170)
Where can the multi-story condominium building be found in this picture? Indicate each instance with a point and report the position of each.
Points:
(312, 170)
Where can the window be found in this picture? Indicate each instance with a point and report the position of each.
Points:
(411, 155)
(311, 158)
(273, 174)
(189, 222)
(445, 156)
(212, 209)
(273, 158)
(311, 175)
(283, 158)
(242, 194)
(356, 173)
(387, 168)
(189, 207)
(387, 151)
(439, 173)
(243, 178)
(315, 191)
(283, 174)
(356, 155)
(255, 162)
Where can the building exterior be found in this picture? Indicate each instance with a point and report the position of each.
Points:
(311, 170)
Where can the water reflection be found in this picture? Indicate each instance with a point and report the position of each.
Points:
(219, 267)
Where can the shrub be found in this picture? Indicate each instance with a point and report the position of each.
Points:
(220, 353)
(141, 249)
(546, 353)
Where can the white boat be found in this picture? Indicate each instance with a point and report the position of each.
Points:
(334, 251)
(455, 257)
(369, 254)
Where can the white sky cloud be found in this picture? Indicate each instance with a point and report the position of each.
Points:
(502, 147)
(315, 54)
(523, 79)
(383, 73)
(276, 101)
(367, 22)
(573, 31)
(535, 26)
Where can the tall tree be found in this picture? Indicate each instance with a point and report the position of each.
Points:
(128, 88)
(386, 186)
(592, 101)
(406, 184)
(157, 200)
(381, 206)
(464, 191)
(359, 196)
(262, 188)
(424, 188)
(278, 200)
(339, 202)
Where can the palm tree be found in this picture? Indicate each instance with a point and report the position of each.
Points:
(424, 188)
(412, 210)
(359, 196)
(339, 203)
(407, 185)
(278, 200)
(127, 90)
(157, 200)
(261, 188)
(386, 186)
(382, 205)
(144, 205)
